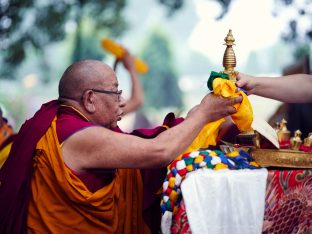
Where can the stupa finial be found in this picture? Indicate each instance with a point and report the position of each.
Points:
(229, 59)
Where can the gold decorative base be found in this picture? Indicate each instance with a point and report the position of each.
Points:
(282, 158)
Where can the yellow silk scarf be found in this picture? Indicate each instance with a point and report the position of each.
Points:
(242, 118)
(61, 203)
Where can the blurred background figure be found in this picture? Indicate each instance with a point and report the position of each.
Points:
(5, 128)
(136, 99)
(6, 138)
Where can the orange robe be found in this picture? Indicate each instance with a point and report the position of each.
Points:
(61, 203)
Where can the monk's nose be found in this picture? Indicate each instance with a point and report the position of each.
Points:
(122, 102)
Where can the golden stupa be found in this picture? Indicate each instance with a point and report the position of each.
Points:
(229, 59)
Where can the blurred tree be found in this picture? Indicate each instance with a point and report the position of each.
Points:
(30, 24)
(303, 10)
(175, 5)
(160, 83)
(16, 109)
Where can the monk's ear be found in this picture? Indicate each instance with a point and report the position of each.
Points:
(88, 100)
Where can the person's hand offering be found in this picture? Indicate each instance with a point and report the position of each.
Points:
(246, 82)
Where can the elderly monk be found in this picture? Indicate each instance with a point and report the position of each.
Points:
(68, 172)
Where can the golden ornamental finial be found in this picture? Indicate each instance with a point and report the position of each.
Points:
(229, 59)
(308, 140)
(295, 142)
(283, 134)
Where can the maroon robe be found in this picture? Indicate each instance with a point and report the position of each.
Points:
(15, 174)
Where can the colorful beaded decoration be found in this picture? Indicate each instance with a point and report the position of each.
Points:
(203, 158)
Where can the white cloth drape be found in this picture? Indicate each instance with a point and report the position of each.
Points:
(225, 201)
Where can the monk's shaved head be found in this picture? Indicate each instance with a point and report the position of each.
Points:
(82, 75)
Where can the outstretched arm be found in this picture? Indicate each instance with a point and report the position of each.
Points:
(109, 149)
(137, 96)
(291, 89)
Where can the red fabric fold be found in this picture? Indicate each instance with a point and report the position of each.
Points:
(15, 175)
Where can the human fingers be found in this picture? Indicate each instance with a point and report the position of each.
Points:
(241, 89)
(236, 100)
(242, 79)
(230, 103)
(240, 82)
(246, 82)
(219, 107)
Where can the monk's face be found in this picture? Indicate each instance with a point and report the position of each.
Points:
(110, 106)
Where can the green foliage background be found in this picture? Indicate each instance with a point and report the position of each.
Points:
(161, 82)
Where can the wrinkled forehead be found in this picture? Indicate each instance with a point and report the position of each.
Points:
(103, 75)
(109, 78)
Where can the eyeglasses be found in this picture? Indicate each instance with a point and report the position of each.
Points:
(118, 92)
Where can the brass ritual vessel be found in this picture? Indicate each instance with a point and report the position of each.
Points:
(277, 127)
(295, 142)
(292, 158)
(283, 133)
(308, 141)
(256, 140)
(229, 58)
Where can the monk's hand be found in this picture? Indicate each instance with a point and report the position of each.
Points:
(245, 82)
(216, 107)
